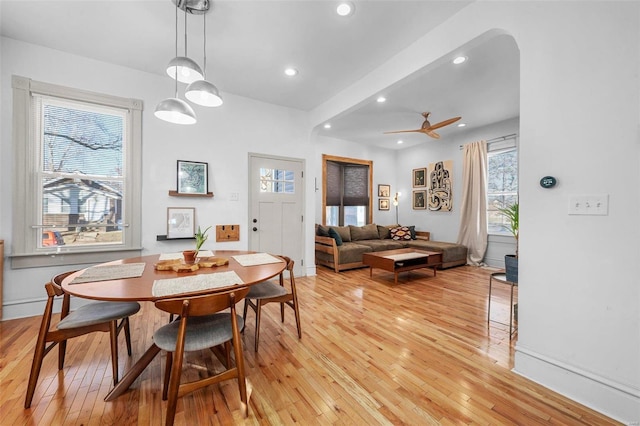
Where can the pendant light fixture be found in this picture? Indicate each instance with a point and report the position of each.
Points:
(183, 68)
(202, 92)
(175, 110)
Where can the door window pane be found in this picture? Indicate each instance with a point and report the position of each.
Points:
(277, 181)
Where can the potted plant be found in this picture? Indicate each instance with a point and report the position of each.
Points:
(201, 237)
(512, 213)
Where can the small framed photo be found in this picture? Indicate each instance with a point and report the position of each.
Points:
(420, 177)
(420, 200)
(383, 204)
(181, 222)
(384, 190)
(193, 177)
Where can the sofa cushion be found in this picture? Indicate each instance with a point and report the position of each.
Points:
(384, 232)
(451, 252)
(344, 231)
(366, 232)
(336, 236)
(380, 245)
(352, 252)
(401, 233)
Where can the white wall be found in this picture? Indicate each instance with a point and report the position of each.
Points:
(222, 137)
(579, 121)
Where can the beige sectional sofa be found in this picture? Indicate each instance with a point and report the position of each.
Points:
(345, 250)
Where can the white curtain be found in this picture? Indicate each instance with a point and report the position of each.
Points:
(473, 217)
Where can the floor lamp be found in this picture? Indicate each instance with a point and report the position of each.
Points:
(395, 203)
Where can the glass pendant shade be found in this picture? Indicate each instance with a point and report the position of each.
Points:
(175, 111)
(203, 93)
(185, 69)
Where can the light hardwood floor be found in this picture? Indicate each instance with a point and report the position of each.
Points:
(414, 353)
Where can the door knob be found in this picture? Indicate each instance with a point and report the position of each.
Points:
(255, 229)
(255, 220)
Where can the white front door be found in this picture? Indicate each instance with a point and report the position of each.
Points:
(276, 207)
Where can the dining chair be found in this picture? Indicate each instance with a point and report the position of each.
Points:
(270, 292)
(201, 325)
(95, 316)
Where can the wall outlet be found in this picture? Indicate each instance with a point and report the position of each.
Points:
(594, 205)
(234, 196)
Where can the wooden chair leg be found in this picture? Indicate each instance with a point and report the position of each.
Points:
(113, 335)
(258, 312)
(127, 335)
(294, 305)
(242, 384)
(244, 314)
(36, 365)
(167, 375)
(62, 351)
(174, 386)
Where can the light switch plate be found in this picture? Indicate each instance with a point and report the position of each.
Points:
(593, 205)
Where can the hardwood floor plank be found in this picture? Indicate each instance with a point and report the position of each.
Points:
(419, 352)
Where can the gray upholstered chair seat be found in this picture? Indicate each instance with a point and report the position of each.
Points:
(97, 313)
(202, 332)
(266, 289)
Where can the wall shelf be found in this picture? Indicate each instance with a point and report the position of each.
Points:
(178, 194)
(164, 238)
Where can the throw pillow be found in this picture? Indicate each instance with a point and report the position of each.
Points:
(412, 230)
(402, 233)
(344, 232)
(336, 236)
(322, 231)
(384, 232)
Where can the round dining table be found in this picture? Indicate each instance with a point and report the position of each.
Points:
(141, 289)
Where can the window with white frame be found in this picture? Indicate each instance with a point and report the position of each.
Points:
(77, 174)
(502, 183)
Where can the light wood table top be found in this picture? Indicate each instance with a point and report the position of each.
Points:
(140, 288)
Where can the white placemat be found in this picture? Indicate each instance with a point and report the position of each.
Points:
(405, 256)
(192, 283)
(172, 256)
(256, 259)
(110, 272)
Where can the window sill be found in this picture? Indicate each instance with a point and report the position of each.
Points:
(37, 260)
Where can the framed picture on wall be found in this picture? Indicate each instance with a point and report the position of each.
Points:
(181, 222)
(383, 204)
(420, 177)
(420, 199)
(384, 190)
(193, 177)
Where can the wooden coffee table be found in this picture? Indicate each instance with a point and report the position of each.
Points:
(401, 260)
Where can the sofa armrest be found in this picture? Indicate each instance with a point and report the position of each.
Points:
(423, 235)
(328, 245)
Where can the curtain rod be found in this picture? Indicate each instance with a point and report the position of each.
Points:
(498, 139)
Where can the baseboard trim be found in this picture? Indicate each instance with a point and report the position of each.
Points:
(617, 400)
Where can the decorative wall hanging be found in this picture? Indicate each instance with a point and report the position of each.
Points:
(419, 199)
(440, 186)
(419, 177)
(181, 222)
(383, 204)
(384, 191)
(193, 177)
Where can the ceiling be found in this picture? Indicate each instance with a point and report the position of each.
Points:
(250, 43)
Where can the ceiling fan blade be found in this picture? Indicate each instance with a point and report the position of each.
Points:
(432, 134)
(406, 131)
(444, 123)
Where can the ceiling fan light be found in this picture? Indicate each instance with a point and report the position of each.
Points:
(203, 93)
(175, 111)
(185, 69)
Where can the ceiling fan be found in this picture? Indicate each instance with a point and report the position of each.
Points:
(427, 128)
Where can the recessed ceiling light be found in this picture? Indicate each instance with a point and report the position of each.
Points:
(381, 99)
(459, 60)
(291, 72)
(327, 125)
(462, 124)
(400, 142)
(345, 8)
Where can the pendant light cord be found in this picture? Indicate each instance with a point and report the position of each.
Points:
(204, 48)
(176, 67)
